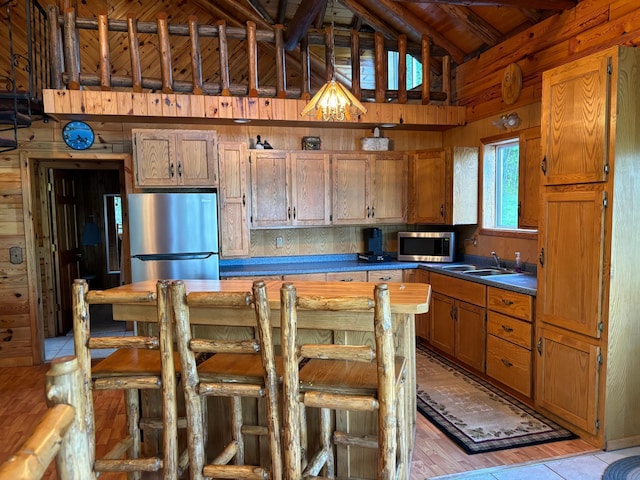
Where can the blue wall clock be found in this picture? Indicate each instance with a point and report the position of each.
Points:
(78, 135)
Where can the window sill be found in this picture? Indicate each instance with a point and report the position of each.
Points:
(526, 234)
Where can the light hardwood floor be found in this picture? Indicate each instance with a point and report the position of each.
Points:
(22, 403)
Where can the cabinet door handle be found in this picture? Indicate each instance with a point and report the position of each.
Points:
(368, 212)
(294, 213)
(507, 329)
(244, 200)
(442, 210)
(171, 169)
(180, 169)
(539, 346)
(541, 257)
(384, 279)
(507, 302)
(373, 212)
(506, 363)
(289, 213)
(347, 280)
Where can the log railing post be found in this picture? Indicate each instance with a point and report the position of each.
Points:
(446, 78)
(55, 47)
(196, 57)
(134, 52)
(355, 64)
(165, 52)
(306, 68)
(281, 66)
(426, 70)
(380, 68)
(252, 57)
(402, 69)
(71, 49)
(64, 385)
(103, 40)
(223, 53)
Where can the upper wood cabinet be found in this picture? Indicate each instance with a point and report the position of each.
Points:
(369, 188)
(443, 186)
(576, 105)
(233, 200)
(170, 158)
(529, 178)
(289, 189)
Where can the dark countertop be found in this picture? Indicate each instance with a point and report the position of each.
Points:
(267, 266)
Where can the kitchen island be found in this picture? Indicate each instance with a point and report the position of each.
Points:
(352, 327)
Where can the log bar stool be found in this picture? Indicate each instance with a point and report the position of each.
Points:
(138, 363)
(342, 377)
(238, 368)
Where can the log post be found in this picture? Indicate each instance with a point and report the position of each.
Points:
(71, 49)
(402, 69)
(380, 68)
(165, 52)
(252, 57)
(196, 57)
(426, 70)
(355, 64)
(446, 78)
(281, 66)
(103, 40)
(223, 53)
(306, 68)
(64, 385)
(55, 47)
(134, 53)
(329, 54)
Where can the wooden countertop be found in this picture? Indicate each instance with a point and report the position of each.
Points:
(405, 297)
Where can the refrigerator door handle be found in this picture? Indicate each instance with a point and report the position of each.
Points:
(174, 256)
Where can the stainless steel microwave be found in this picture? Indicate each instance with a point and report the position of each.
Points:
(426, 246)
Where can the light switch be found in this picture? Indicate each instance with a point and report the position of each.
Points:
(15, 255)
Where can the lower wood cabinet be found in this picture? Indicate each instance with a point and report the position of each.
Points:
(358, 276)
(509, 339)
(458, 319)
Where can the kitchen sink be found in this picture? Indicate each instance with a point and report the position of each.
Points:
(485, 272)
(459, 268)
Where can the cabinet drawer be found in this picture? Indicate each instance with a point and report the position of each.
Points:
(510, 329)
(464, 290)
(385, 275)
(509, 364)
(512, 303)
(359, 276)
(320, 277)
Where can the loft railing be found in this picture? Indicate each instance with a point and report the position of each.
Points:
(27, 73)
(68, 72)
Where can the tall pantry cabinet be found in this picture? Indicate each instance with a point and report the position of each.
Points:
(588, 334)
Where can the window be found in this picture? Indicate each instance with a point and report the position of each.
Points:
(500, 185)
(414, 71)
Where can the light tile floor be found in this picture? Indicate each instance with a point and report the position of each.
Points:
(63, 346)
(581, 467)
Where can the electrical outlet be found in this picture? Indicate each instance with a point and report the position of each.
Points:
(15, 255)
(278, 242)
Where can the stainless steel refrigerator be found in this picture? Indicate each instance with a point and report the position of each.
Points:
(173, 236)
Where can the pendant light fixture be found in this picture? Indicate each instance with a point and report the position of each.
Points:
(334, 102)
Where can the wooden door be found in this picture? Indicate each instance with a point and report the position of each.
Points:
(351, 189)
(154, 158)
(571, 269)
(66, 240)
(470, 335)
(575, 115)
(568, 375)
(270, 193)
(442, 325)
(390, 172)
(428, 189)
(233, 225)
(310, 188)
(196, 158)
(529, 178)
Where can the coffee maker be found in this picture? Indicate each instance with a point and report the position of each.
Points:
(373, 251)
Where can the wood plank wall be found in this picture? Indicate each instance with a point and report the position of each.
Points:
(18, 316)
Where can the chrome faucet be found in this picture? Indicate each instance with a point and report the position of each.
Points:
(496, 258)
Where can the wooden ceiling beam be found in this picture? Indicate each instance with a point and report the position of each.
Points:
(257, 6)
(282, 11)
(477, 25)
(302, 20)
(533, 4)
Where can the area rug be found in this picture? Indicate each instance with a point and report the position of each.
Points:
(623, 469)
(473, 413)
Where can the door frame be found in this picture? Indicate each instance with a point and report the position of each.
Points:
(29, 162)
